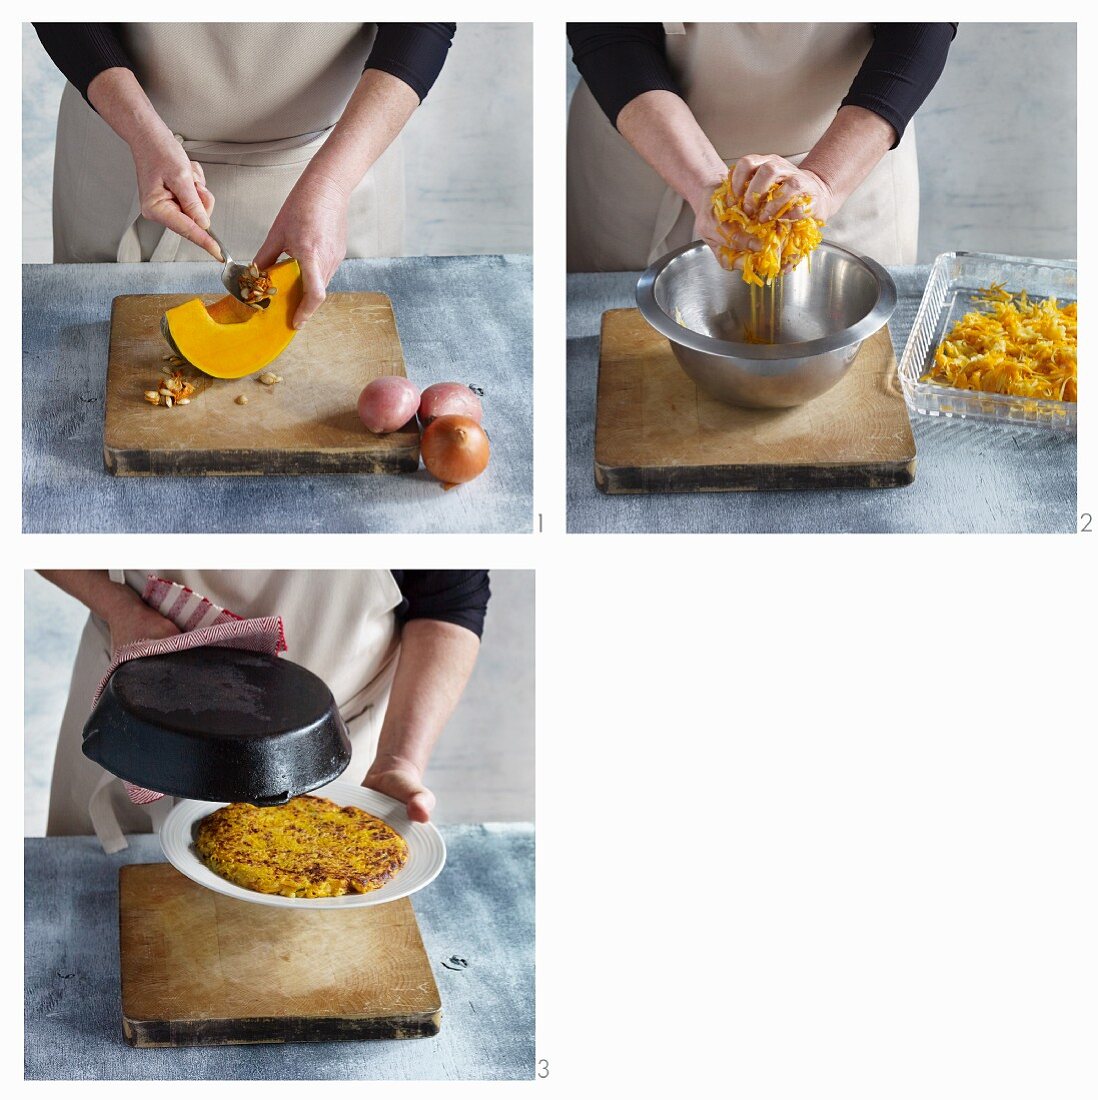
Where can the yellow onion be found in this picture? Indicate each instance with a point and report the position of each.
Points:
(455, 449)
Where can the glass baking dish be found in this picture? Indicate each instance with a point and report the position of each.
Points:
(954, 278)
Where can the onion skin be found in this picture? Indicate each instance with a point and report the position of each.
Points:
(449, 399)
(455, 449)
(387, 404)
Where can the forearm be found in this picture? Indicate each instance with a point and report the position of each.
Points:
(663, 130)
(375, 114)
(121, 102)
(849, 150)
(94, 589)
(83, 50)
(436, 660)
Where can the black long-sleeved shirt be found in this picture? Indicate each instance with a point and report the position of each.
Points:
(447, 595)
(620, 61)
(412, 52)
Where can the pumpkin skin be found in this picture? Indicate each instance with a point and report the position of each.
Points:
(228, 339)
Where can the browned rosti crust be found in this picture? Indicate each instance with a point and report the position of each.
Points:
(308, 848)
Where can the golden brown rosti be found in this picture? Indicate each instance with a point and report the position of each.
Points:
(308, 848)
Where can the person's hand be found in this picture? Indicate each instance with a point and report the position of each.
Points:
(134, 621)
(754, 175)
(402, 781)
(716, 235)
(312, 228)
(173, 189)
(706, 226)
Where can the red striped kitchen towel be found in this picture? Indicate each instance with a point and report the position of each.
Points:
(202, 623)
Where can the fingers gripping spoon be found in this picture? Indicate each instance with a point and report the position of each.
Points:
(231, 272)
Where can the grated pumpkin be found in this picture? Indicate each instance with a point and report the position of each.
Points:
(784, 243)
(1012, 346)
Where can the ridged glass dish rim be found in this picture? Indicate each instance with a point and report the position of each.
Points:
(950, 272)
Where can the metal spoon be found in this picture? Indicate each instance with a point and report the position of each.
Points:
(231, 271)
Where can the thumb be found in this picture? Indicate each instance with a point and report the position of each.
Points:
(315, 291)
(269, 251)
(420, 805)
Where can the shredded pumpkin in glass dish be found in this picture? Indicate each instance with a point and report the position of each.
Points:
(1011, 345)
(783, 243)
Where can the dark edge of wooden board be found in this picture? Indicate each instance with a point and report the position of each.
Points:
(241, 1032)
(126, 463)
(616, 480)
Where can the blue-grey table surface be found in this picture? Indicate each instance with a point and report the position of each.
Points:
(460, 318)
(970, 476)
(480, 909)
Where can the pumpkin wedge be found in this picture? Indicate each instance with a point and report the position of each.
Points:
(228, 339)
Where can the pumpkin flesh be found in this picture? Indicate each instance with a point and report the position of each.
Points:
(228, 339)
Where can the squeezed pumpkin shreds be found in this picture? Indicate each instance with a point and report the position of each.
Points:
(784, 243)
(1013, 346)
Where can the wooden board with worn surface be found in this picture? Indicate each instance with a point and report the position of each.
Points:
(656, 432)
(199, 968)
(306, 424)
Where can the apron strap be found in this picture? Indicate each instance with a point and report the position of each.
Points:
(103, 818)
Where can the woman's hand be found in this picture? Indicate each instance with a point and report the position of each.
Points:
(127, 615)
(173, 189)
(754, 175)
(134, 621)
(708, 229)
(401, 780)
(312, 228)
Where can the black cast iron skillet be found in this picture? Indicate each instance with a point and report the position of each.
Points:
(219, 725)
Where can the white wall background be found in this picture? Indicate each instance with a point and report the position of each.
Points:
(468, 151)
(482, 769)
(997, 143)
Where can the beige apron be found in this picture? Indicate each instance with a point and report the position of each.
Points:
(339, 624)
(754, 88)
(248, 116)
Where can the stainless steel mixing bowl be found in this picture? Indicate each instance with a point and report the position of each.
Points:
(821, 317)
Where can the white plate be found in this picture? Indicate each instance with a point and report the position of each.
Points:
(426, 851)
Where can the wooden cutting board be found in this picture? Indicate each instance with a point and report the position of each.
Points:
(307, 424)
(656, 432)
(199, 968)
